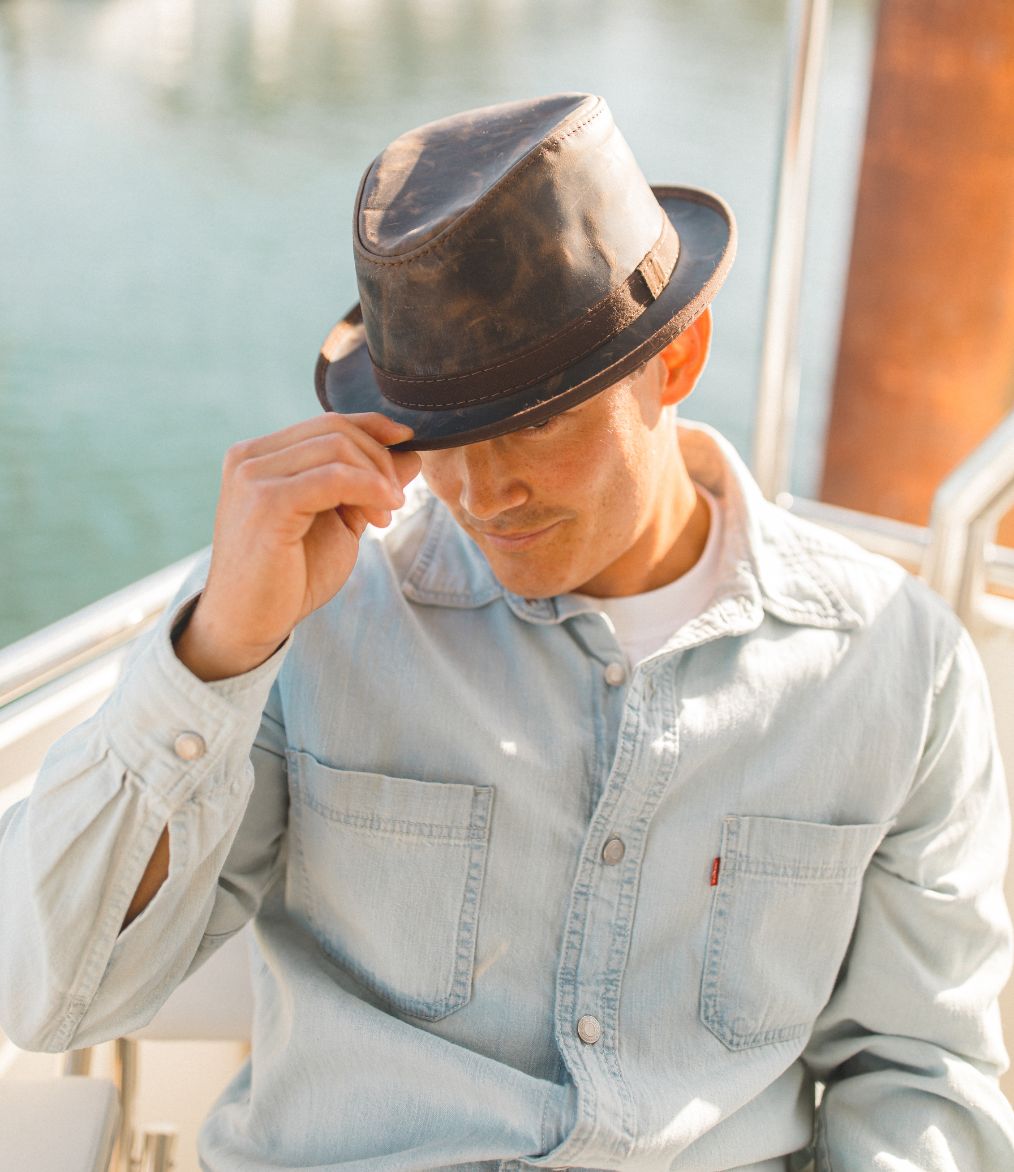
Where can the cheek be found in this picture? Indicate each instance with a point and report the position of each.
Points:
(612, 484)
(439, 477)
(622, 516)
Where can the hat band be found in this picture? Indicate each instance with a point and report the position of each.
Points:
(604, 320)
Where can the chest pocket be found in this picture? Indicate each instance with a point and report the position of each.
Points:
(388, 877)
(782, 917)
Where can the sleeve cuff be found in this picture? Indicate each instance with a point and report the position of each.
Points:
(175, 731)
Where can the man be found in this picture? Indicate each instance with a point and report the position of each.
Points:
(593, 811)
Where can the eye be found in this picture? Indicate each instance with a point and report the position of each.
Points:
(544, 426)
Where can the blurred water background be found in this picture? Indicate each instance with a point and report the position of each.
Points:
(176, 189)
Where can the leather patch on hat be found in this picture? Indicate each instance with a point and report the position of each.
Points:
(657, 266)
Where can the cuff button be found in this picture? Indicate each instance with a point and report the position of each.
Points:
(189, 746)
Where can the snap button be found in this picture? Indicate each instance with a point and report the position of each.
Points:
(613, 851)
(189, 746)
(615, 674)
(589, 1029)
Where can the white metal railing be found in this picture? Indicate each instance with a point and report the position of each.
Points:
(966, 510)
(778, 392)
(901, 540)
(88, 633)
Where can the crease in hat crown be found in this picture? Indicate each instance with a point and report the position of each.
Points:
(486, 237)
(521, 128)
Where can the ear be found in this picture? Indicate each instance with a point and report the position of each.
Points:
(685, 358)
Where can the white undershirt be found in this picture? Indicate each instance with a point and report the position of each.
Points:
(643, 623)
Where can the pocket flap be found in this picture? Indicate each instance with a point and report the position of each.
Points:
(804, 852)
(379, 804)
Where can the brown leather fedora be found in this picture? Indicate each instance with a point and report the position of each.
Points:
(513, 261)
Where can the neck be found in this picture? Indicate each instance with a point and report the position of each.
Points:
(689, 527)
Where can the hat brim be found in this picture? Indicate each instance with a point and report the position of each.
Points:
(344, 375)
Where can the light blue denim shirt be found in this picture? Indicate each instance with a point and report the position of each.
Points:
(516, 907)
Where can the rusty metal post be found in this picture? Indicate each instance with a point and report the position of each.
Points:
(926, 360)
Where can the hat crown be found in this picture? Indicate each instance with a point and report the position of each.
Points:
(481, 236)
(430, 176)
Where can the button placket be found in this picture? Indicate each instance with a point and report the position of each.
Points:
(601, 912)
(589, 1029)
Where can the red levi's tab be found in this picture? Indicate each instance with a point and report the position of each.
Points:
(714, 870)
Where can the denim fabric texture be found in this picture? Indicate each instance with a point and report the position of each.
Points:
(411, 799)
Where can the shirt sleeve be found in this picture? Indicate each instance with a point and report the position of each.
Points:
(910, 1045)
(164, 749)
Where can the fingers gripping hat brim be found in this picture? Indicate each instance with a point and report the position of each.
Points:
(345, 380)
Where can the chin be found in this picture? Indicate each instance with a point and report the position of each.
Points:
(529, 585)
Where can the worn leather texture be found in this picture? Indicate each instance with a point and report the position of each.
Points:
(511, 261)
(547, 236)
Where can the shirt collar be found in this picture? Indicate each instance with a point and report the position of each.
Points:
(765, 562)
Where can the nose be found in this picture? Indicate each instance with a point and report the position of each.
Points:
(489, 485)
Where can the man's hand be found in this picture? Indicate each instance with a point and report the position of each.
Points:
(292, 508)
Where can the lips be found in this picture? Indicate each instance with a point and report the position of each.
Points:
(518, 540)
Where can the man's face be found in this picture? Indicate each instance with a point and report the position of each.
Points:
(564, 506)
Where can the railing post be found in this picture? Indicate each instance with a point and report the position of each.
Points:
(778, 393)
(78, 1062)
(126, 1080)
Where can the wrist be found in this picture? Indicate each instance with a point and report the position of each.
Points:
(209, 656)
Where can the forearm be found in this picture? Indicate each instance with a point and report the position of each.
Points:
(208, 663)
(166, 759)
(903, 1105)
(910, 1045)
